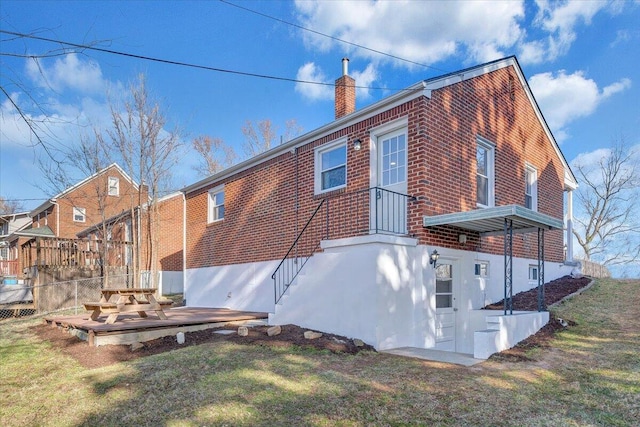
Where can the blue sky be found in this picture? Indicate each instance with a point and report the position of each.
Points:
(581, 59)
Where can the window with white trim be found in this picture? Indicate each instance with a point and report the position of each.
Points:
(394, 154)
(484, 173)
(481, 269)
(533, 273)
(216, 204)
(79, 214)
(114, 186)
(530, 188)
(331, 167)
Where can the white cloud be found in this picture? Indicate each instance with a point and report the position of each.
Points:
(68, 72)
(73, 100)
(424, 32)
(310, 72)
(559, 21)
(364, 80)
(564, 98)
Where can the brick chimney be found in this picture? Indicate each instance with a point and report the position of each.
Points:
(345, 92)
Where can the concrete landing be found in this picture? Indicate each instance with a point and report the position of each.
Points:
(435, 355)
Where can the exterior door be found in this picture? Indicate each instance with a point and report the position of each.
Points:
(389, 200)
(445, 300)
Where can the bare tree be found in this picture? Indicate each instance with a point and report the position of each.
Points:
(148, 151)
(216, 155)
(10, 206)
(609, 226)
(261, 136)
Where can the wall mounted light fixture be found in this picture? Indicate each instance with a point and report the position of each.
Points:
(357, 144)
(462, 238)
(433, 258)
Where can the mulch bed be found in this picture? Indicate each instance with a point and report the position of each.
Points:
(293, 336)
(290, 336)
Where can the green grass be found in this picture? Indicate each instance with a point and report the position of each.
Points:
(589, 376)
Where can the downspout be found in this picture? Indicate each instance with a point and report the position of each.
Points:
(55, 203)
(184, 245)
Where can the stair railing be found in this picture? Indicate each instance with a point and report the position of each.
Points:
(292, 263)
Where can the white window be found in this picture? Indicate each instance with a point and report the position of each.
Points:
(484, 173)
(4, 253)
(394, 155)
(481, 269)
(216, 204)
(114, 186)
(533, 273)
(530, 188)
(79, 214)
(331, 167)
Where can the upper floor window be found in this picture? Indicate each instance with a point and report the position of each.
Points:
(114, 186)
(331, 167)
(216, 204)
(484, 173)
(79, 214)
(531, 187)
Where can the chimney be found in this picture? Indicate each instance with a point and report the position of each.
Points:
(345, 92)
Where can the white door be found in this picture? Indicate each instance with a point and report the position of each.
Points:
(389, 205)
(445, 300)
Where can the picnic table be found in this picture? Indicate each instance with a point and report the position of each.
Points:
(115, 301)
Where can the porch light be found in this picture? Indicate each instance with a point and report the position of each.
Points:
(357, 144)
(434, 258)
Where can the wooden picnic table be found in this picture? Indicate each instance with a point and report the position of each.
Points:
(115, 301)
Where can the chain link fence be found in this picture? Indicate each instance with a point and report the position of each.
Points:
(25, 300)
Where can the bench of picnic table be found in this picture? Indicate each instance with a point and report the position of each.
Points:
(113, 309)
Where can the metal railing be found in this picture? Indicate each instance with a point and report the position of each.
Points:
(371, 211)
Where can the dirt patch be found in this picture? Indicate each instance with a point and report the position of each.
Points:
(293, 336)
(93, 357)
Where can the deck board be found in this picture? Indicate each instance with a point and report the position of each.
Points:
(133, 327)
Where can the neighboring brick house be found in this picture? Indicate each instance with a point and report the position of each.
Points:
(451, 167)
(102, 195)
(170, 235)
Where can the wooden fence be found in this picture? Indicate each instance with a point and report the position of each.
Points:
(55, 251)
(593, 269)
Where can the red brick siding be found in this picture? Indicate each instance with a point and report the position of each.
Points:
(260, 216)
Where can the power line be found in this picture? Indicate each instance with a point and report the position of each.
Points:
(184, 64)
(359, 46)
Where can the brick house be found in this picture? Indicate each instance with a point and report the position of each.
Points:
(170, 234)
(399, 221)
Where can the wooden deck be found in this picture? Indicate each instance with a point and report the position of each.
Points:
(131, 328)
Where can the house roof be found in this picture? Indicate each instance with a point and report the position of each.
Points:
(53, 199)
(36, 232)
(491, 221)
(422, 88)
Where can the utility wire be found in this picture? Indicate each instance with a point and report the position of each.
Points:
(359, 46)
(184, 64)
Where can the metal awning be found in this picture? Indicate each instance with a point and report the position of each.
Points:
(490, 221)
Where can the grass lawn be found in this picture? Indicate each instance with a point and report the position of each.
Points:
(589, 376)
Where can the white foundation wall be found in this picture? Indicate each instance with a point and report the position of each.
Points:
(247, 287)
(377, 288)
(358, 287)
